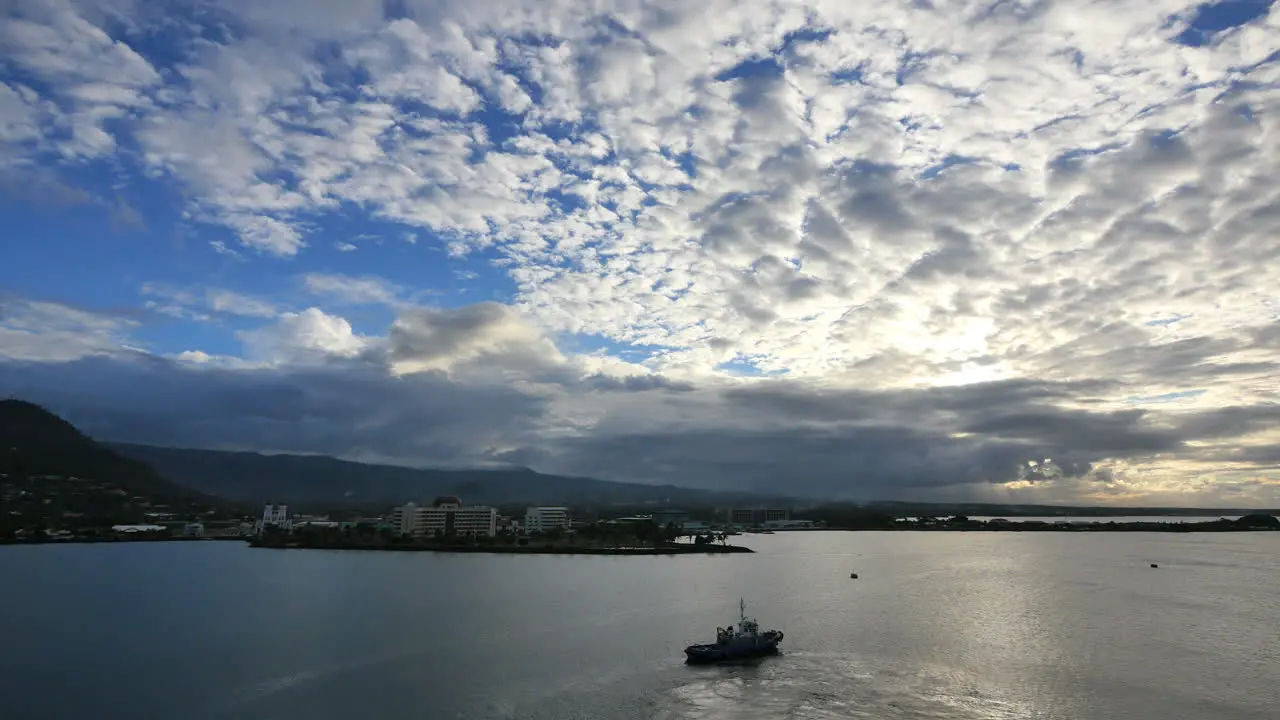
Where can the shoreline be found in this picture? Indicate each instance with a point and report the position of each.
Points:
(1256, 523)
(515, 549)
(113, 540)
(1061, 527)
(1055, 529)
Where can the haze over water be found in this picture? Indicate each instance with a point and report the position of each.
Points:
(954, 626)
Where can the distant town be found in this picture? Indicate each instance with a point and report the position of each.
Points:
(53, 508)
(448, 523)
(44, 508)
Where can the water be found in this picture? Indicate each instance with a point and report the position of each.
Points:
(954, 626)
(1106, 519)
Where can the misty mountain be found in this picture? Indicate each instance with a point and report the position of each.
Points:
(321, 481)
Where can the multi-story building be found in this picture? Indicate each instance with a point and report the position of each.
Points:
(754, 517)
(446, 516)
(542, 519)
(276, 516)
(670, 516)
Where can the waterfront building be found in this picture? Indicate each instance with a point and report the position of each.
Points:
(670, 516)
(790, 525)
(755, 517)
(446, 516)
(542, 519)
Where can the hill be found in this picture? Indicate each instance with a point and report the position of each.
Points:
(52, 475)
(314, 481)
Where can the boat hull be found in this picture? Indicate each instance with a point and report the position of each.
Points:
(764, 646)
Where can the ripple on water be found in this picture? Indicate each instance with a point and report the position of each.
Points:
(816, 687)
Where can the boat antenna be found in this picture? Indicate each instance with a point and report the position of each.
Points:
(742, 609)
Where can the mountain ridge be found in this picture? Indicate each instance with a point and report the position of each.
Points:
(55, 478)
(37, 442)
(321, 480)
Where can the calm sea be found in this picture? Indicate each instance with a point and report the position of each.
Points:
(954, 626)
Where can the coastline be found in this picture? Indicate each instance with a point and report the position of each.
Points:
(1258, 522)
(115, 540)
(513, 549)
(1151, 528)
(1212, 526)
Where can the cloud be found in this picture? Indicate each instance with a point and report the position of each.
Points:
(308, 382)
(487, 333)
(35, 330)
(202, 303)
(351, 408)
(303, 338)
(921, 245)
(237, 304)
(353, 290)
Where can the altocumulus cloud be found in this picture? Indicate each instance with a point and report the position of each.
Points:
(875, 249)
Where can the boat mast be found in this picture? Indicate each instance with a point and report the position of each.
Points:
(742, 609)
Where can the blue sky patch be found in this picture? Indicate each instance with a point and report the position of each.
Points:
(1212, 19)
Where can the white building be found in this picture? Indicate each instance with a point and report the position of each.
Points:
(275, 516)
(446, 516)
(542, 519)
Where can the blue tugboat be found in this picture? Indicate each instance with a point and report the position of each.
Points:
(736, 643)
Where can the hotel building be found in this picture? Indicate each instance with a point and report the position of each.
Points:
(542, 519)
(446, 516)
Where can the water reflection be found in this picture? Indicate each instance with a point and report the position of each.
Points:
(961, 626)
(807, 686)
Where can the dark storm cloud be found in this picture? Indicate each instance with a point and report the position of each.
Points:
(773, 436)
(907, 443)
(1230, 422)
(1123, 432)
(635, 383)
(864, 444)
(792, 401)
(349, 409)
(864, 463)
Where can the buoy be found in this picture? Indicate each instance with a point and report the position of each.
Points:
(853, 576)
(1154, 565)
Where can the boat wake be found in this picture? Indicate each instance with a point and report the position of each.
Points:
(822, 687)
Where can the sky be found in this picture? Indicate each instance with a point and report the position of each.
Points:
(934, 250)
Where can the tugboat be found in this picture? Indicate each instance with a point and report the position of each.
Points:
(736, 643)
